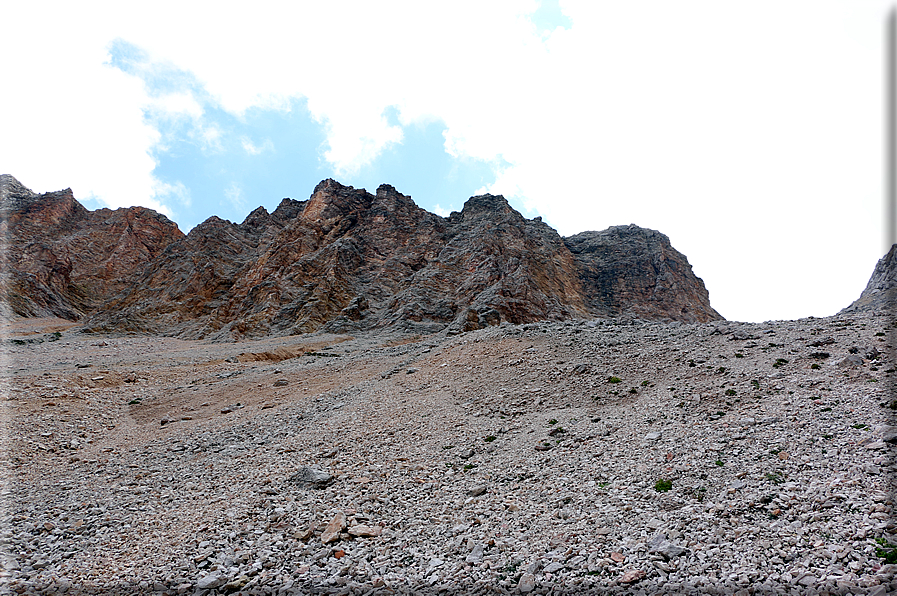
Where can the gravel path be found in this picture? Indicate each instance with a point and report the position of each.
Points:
(615, 456)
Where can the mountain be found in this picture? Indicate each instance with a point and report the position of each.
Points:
(64, 260)
(880, 294)
(636, 271)
(347, 260)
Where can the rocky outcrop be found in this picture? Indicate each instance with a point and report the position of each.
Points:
(628, 270)
(347, 260)
(880, 294)
(64, 260)
(190, 286)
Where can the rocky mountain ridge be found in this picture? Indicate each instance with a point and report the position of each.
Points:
(880, 294)
(345, 260)
(64, 260)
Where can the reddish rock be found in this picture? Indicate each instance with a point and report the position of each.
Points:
(63, 260)
(333, 529)
(364, 531)
(632, 576)
(344, 261)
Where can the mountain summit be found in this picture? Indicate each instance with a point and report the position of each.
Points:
(345, 260)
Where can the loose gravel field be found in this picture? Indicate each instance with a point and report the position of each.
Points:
(609, 456)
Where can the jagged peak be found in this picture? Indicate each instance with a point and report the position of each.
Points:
(257, 216)
(10, 184)
(288, 209)
(331, 184)
(332, 199)
(386, 189)
(487, 203)
(619, 231)
(210, 223)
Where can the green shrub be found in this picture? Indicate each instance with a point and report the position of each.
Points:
(614, 380)
(663, 486)
(886, 551)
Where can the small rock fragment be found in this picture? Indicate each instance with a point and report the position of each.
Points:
(211, 581)
(660, 545)
(527, 583)
(311, 477)
(476, 554)
(888, 434)
(851, 361)
(336, 525)
(632, 576)
(363, 531)
(236, 584)
(477, 490)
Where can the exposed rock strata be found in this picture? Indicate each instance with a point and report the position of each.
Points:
(64, 260)
(632, 270)
(880, 294)
(347, 260)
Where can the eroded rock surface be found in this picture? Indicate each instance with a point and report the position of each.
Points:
(636, 271)
(64, 260)
(880, 294)
(344, 261)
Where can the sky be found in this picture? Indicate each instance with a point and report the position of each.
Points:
(750, 133)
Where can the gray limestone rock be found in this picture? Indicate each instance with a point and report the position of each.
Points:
(661, 546)
(308, 477)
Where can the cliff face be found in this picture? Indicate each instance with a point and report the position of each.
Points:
(63, 260)
(635, 271)
(348, 260)
(880, 294)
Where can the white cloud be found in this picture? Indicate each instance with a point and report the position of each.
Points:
(208, 136)
(441, 211)
(234, 195)
(175, 105)
(167, 193)
(253, 149)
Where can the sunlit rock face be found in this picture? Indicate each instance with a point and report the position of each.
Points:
(64, 260)
(344, 260)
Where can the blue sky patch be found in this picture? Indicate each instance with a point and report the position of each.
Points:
(549, 17)
(420, 167)
(219, 163)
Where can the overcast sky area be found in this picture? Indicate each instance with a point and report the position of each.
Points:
(750, 133)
